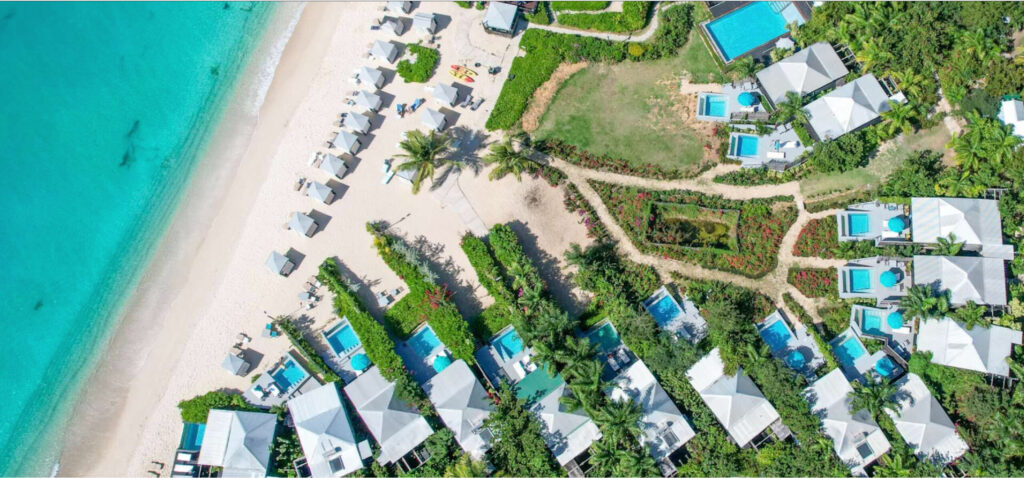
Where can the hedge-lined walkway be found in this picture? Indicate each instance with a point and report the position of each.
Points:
(644, 36)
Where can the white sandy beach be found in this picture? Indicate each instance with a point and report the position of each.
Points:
(208, 282)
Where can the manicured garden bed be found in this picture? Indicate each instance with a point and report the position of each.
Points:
(818, 238)
(760, 226)
(813, 282)
(420, 71)
(692, 226)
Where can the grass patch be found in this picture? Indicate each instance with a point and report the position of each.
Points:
(633, 17)
(578, 6)
(423, 68)
(693, 226)
(696, 59)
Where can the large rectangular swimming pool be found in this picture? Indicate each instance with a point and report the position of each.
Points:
(871, 322)
(751, 26)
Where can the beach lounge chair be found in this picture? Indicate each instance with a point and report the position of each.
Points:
(477, 104)
(184, 457)
(183, 469)
(387, 177)
(467, 101)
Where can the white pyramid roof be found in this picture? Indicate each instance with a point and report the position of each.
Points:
(661, 420)
(857, 438)
(384, 50)
(462, 403)
(1011, 113)
(346, 141)
(276, 262)
(301, 223)
(923, 423)
(981, 279)
(567, 433)
(319, 191)
(982, 349)
(396, 426)
(976, 222)
(847, 108)
(804, 72)
(446, 94)
(238, 441)
(372, 76)
(433, 119)
(334, 165)
(734, 399)
(325, 432)
(357, 122)
(368, 100)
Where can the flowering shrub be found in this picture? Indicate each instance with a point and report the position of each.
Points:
(819, 238)
(582, 158)
(814, 282)
(576, 203)
(759, 228)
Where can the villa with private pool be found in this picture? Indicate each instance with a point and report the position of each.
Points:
(856, 436)
(285, 379)
(347, 356)
(423, 354)
(397, 427)
(982, 349)
(815, 68)
(848, 108)
(887, 325)
(682, 319)
(778, 150)
(734, 102)
(750, 28)
(463, 404)
(791, 344)
(886, 224)
(855, 361)
(883, 279)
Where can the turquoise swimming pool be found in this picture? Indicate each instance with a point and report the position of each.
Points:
(424, 342)
(776, 335)
(751, 26)
(289, 375)
(537, 384)
(606, 338)
(860, 280)
(342, 339)
(508, 344)
(712, 105)
(885, 367)
(849, 350)
(665, 310)
(192, 436)
(871, 322)
(743, 145)
(858, 224)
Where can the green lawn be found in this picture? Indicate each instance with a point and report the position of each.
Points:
(627, 110)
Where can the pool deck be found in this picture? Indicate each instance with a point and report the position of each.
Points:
(901, 340)
(616, 358)
(882, 295)
(341, 365)
(265, 380)
(778, 150)
(760, 53)
(420, 367)
(800, 340)
(862, 366)
(495, 368)
(689, 325)
(879, 215)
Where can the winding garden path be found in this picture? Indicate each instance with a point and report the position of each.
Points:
(773, 284)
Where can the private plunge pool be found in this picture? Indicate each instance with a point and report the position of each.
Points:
(857, 224)
(289, 375)
(738, 32)
(712, 107)
(424, 342)
(342, 339)
(508, 344)
(743, 146)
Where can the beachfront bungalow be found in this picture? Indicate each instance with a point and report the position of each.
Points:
(320, 191)
(400, 7)
(1011, 113)
(856, 436)
(370, 76)
(778, 150)
(975, 222)
(397, 427)
(982, 349)
(568, 434)
(923, 423)
(394, 25)
(884, 223)
(808, 71)
(501, 18)
(238, 442)
(325, 433)
(384, 50)
(279, 264)
(445, 94)
(334, 165)
(434, 119)
(665, 430)
(463, 404)
(884, 279)
(302, 224)
(682, 319)
(978, 279)
(370, 101)
(424, 22)
(736, 402)
(358, 123)
(284, 380)
(846, 109)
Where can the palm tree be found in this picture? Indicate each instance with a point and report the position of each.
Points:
(507, 160)
(637, 462)
(619, 420)
(424, 153)
(466, 467)
(1002, 143)
(871, 55)
(604, 457)
(947, 246)
(900, 118)
(791, 109)
(970, 146)
(576, 353)
(744, 67)
(911, 82)
(920, 302)
(874, 397)
(971, 314)
(893, 464)
(979, 46)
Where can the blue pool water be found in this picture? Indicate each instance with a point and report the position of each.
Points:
(424, 342)
(751, 26)
(289, 375)
(192, 436)
(849, 350)
(746, 146)
(871, 322)
(665, 310)
(606, 338)
(105, 109)
(776, 335)
(343, 339)
(796, 359)
(508, 344)
(860, 280)
(712, 105)
(885, 367)
(858, 224)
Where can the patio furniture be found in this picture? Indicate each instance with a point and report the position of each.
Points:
(476, 104)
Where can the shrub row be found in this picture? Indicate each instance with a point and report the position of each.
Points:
(575, 203)
(197, 409)
(542, 17)
(313, 360)
(578, 6)
(504, 311)
(426, 300)
(420, 71)
(757, 177)
(812, 282)
(632, 17)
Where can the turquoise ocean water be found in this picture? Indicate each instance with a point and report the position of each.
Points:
(104, 111)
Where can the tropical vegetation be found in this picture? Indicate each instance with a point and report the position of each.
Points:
(423, 68)
(424, 154)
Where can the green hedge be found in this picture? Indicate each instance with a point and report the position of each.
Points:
(578, 6)
(464, 4)
(196, 409)
(504, 311)
(542, 17)
(632, 17)
(315, 363)
(423, 69)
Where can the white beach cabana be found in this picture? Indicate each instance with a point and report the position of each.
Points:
(982, 349)
(975, 222)
(923, 423)
(347, 142)
(463, 405)
(235, 364)
(424, 22)
(805, 72)
(567, 433)
(325, 433)
(665, 429)
(434, 119)
(302, 224)
(367, 100)
(396, 426)
(967, 278)
(446, 94)
(847, 108)
(1011, 113)
(501, 17)
(857, 438)
(400, 7)
(394, 25)
(357, 122)
(384, 50)
(334, 166)
(238, 442)
(320, 191)
(734, 399)
(279, 264)
(372, 76)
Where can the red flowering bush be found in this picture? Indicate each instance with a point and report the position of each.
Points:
(815, 282)
(819, 238)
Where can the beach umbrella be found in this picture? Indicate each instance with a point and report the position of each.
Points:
(334, 166)
(888, 278)
(785, 43)
(367, 100)
(356, 122)
(279, 264)
(446, 94)
(441, 362)
(372, 76)
(346, 142)
(896, 224)
(302, 224)
(320, 191)
(383, 50)
(360, 362)
(746, 99)
(424, 22)
(895, 320)
(434, 119)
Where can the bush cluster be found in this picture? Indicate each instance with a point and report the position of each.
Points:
(632, 17)
(575, 203)
(504, 311)
(542, 17)
(420, 71)
(578, 6)
(315, 363)
(758, 177)
(196, 409)
(813, 282)
(818, 238)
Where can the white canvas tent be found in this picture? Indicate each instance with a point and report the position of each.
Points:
(400, 7)
(320, 191)
(371, 76)
(302, 224)
(347, 142)
(367, 100)
(424, 22)
(235, 364)
(334, 166)
(358, 123)
(446, 94)
(383, 50)
(434, 119)
(279, 264)
(394, 25)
